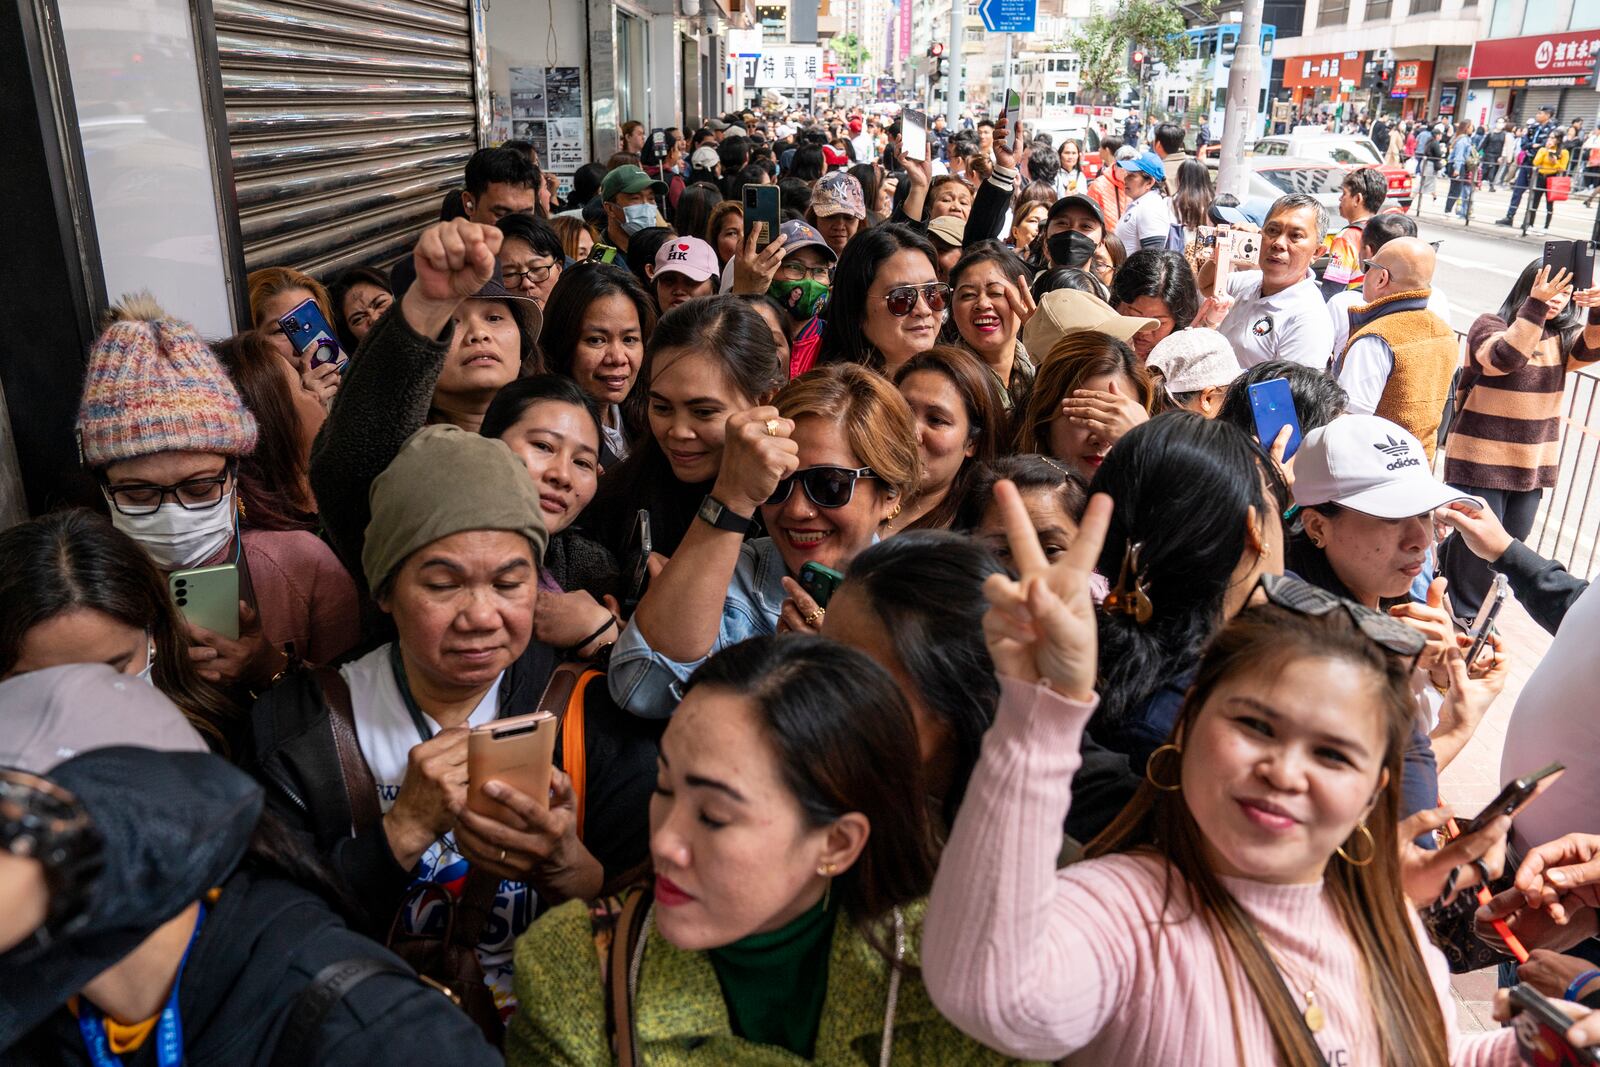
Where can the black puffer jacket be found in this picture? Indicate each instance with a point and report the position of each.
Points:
(176, 825)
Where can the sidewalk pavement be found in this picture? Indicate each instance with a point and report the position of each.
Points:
(1473, 779)
(1572, 219)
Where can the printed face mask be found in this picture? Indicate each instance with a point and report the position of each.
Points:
(636, 217)
(804, 298)
(176, 538)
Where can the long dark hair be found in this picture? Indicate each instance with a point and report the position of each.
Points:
(844, 741)
(1368, 899)
(728, 330)
(1568, 324)
(1194, 194)
(980, 396)
(274, 479)
(926, 589)
(72, 560)
(844, 340)
(1182, 486)
(518, 396)
(871, 179)
(340, 289)
(569, 301)
(1026, 471)
(1163, 275)
(808, 163)
(693, 217)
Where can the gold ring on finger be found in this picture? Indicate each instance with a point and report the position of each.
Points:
(772, 427)
(502, 855)
(815, 617)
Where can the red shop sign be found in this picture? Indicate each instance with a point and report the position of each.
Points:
(1413, 73)
(1553, 55)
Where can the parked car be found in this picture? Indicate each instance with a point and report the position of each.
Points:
(1348, 151)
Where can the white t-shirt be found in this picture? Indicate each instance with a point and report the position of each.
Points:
(1291, 324)
(1145, 218)
(387, 734)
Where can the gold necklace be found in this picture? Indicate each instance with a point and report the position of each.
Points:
(1313, 1014)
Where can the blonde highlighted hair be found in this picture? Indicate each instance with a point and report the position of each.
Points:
(268, 282)
(877, 423)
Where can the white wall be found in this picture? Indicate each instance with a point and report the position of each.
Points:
(146, 146)
(537, 33)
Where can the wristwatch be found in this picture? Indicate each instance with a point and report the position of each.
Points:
(716, 513)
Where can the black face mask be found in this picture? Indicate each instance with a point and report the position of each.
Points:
(1070, 249)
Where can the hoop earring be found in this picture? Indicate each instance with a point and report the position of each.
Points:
(1150, 763)
(1372, 848)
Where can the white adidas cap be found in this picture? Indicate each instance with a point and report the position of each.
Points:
(1370, 465)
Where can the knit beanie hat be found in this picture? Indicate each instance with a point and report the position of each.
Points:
(153, 385)
(446, 481)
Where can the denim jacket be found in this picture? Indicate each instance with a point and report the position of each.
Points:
(641, 679)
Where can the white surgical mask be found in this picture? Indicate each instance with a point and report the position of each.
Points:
(636, 217)
(176, 538)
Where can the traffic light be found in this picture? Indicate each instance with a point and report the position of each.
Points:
(1138, 58)
(936, 49)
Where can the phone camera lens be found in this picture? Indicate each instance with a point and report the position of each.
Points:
(183, 601)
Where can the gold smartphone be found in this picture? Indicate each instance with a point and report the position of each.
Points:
(517, 751)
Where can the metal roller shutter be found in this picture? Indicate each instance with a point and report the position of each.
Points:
(1532, 99)
(347, 121)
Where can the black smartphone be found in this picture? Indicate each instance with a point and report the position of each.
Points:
(1517, 794)
(761, 208)
(819, 582)
(1541, 1028)
(636, 558)
(1483, 625)
(1574, 256)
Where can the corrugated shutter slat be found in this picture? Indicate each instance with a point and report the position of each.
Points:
(347, 121)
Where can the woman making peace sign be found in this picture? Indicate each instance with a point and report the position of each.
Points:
(1249, 905)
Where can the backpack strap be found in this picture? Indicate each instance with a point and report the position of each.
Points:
(619, 985)
(360, 788)
(332, 984)
(563, 697)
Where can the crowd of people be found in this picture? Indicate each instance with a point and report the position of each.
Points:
(932, 662)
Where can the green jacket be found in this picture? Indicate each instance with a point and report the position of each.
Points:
(682, 1020)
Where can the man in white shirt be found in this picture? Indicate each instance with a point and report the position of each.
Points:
(1147, 221)
(1401, 355)
(1278, 312)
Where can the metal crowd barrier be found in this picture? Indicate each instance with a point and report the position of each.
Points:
(1568, 524)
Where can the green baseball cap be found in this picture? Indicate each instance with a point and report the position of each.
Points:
(628, 179)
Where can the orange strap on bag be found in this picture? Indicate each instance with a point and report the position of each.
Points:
(563, 698)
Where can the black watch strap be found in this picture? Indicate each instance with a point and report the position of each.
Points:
(716, 513)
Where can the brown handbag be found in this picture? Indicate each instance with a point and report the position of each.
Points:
(447, 961)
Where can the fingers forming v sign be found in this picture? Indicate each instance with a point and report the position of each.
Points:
(1041, 625)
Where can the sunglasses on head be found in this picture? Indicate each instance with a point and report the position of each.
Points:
(826, 487)
(902, 299)
(1303, 598)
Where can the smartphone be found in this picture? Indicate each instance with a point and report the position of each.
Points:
(820, 582)
(761, 207)
(636, 557)
(914, 134)
(1273, 406)
(1582, 266)
(1224, 257)
(1012, 105)
(1483, 625)
(1516, 795)
(312, 337)
(1558, 255)
(516, 751)
(1541, 1028)
(209, 597)
(602, 254)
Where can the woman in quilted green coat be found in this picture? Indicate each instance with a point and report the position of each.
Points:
(792, 851)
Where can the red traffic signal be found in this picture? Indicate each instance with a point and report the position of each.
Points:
(936, 49)
(1138, 58)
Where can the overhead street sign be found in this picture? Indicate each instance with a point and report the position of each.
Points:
(1009, 16)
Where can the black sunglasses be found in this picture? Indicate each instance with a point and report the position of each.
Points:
(1303, 598)
(902, 299)
(827, 487)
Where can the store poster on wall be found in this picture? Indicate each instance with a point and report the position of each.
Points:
(546, 109)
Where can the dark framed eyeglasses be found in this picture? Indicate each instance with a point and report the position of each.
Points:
(196, 494)
(1303, 598)
(902, 299)
(794, 271)
(826, 487)
(512, 278)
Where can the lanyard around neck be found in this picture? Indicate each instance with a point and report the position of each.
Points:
(169, 1030)
(418, 720)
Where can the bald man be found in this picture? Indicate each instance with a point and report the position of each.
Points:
(1400, 357)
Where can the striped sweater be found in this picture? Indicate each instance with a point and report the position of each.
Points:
(1507, 431)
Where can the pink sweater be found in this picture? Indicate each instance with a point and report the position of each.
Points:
(1046, 964)
(304, 595)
